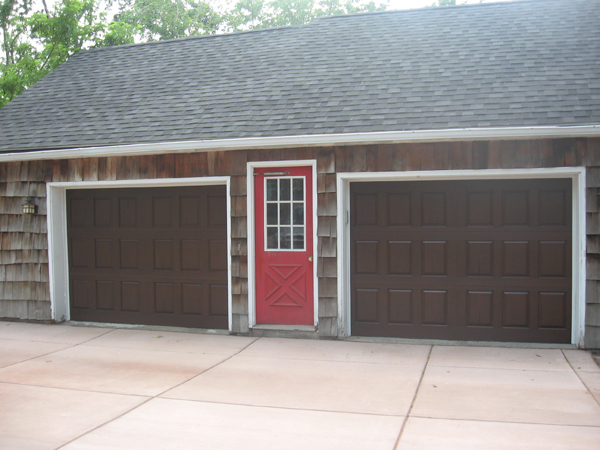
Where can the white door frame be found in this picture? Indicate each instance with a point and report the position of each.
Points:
(576, 174)
(251, 241)
(57, 232)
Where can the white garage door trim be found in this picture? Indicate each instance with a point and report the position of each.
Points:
(576, 174)
(57, 232)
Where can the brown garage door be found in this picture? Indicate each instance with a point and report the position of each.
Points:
(154, 256)
(467, 260)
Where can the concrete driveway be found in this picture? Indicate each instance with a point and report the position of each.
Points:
(100, 388)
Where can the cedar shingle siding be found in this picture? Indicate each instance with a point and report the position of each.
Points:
(24, 258)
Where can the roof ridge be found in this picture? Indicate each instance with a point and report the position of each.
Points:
(317, 19)
(434, 8)
(189, 38)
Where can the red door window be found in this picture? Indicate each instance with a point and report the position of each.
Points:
(284, 243)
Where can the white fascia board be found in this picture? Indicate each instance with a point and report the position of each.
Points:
(461, 134)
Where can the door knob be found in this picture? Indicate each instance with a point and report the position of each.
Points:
(310, 259)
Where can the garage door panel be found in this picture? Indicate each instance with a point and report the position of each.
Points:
(400, 209)
(400, 258)
(554, 208)
(515, 259)
(367, 203)
(367, 305)
(164, 254)
(480, 308)
(400, 306)
(515, 309)
(102, 212)
(162, 212)
(480, 259)
(515, 208)
(105, 295)
(135, 261)
(367, 257)
(191, 254)
(190, 212)
(479, 209)
(104, 253)
(434, 256)
(434, 307)
(492, 263)
(553, 261)
(77, 212)
(128, 212)
(433, 209)
(191, 298)
(80, 253)
(130, 296)
(553, 310)
(81, 294)
(129, 250)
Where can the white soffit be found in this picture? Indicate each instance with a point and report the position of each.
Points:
(384, 137)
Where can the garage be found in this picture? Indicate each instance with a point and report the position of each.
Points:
(155, 256)
(482, 260)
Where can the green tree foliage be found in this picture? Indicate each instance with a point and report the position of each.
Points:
(449, 3)
(36, 42)
(15, 61)
(254, 14)
(71, 26)
(168, 19)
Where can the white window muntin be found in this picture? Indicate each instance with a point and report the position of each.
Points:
(278, 226)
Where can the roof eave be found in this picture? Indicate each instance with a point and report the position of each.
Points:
(316, 140)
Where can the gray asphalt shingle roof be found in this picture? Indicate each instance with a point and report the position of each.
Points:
(526, 63)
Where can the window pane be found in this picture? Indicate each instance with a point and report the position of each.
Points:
(298, 213)
(272, 238)
(284, 214)
(298, 238)
(271, 190)
(285, 238)
(298, 189)
(284, 189)
(271, 213)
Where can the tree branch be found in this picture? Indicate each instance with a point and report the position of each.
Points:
(46, 9)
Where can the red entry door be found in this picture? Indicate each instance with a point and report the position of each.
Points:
(284, 245)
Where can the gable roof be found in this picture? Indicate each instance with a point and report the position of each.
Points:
(525, 63)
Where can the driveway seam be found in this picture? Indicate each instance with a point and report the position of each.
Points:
(503, 368)
(153, 397)
(13, 383)
(287, 358)
(33, 357)
(505, 421)
(210, 368)
(288, 408)
(587, 388)
(412, 404)
(52, 352)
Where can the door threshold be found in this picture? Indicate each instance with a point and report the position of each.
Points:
(284, 327)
